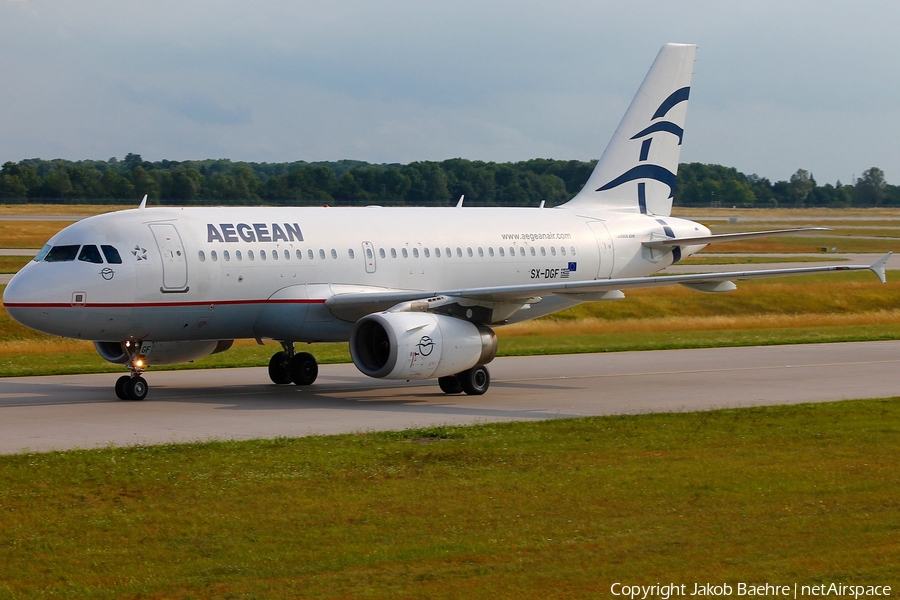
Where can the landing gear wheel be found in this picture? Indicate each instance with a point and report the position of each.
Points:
(450, 384)
(475, 381)
(303, 368)
(136, 388)
(121, 382)
(278, 368)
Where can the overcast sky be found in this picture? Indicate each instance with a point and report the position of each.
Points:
(778, 85)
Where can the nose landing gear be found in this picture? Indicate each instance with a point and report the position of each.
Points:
(132, 387)
(289, 367)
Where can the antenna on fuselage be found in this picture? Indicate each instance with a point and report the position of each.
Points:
(143, 202)
(461, 198)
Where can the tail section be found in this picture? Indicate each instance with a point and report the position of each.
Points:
(637, 169)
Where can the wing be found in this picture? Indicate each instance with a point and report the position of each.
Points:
(501, 302)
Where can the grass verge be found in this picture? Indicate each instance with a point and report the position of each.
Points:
(558, 509)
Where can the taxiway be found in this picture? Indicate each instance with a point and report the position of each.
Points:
(81, 411)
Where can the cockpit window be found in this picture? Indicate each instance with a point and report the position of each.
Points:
(90, 254)
(62, 253)
(43, 253)
(112, 255)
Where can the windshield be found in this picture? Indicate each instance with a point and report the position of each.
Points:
(62, 253)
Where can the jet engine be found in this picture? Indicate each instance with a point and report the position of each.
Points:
(163, 353)
(419, 345)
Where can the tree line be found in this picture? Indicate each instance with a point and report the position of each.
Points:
(347, 182)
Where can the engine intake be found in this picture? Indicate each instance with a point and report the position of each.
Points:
(417, 345)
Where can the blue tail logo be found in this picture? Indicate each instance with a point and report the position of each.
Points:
(649, 170)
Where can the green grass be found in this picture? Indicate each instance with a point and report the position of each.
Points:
(11, 264)
(553, 509)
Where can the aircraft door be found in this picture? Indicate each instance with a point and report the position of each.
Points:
(171, 252)
(605, 246)
(369, 254)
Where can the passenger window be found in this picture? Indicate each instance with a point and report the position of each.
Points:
(572, 248)
(202, 256)
(262, 255)
(333, 253)
(62, 253)
(469, 252)
(322, 253)
(393, 253)
(368, 253)
(274, 254)
(287, 254)
(502, 252)
(427, 253)
(552, 250)
(381, 252)
(350, 252)
(214, 256)
(449, 254)
(226, 255)
(512, 251)
(437, 252)
(237, 255)
(404, 253)
(415, 253)
(310, 254)
(459, 251)
(543, 251)
(480, 252)
(112, 255)
(250, 254)
(562, 250)
(491, 251)
(299, 254)
(532, 251)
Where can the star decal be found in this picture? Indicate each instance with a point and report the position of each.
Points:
(139, 253)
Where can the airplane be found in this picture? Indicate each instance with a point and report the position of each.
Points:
(416, 292)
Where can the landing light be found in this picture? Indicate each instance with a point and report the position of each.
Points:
(139, 363)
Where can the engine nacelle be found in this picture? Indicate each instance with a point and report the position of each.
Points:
(419, 345)
(164, 353)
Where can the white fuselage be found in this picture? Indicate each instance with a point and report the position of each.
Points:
(227, 273)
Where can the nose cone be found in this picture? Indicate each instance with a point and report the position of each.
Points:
(22, 295)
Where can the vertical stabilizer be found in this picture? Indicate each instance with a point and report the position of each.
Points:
(637, 169)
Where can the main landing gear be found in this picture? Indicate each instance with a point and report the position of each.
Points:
(474, 382)
(287, 367)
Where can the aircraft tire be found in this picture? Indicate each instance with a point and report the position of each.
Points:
(450, 384)
(278, 368)
(121, 382)
(303, 368)
(475, 381)
(136, 388)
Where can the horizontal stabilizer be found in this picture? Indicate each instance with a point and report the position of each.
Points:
(725, 237)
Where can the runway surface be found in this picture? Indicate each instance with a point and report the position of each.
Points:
(80, 411)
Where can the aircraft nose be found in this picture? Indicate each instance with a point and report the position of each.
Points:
(22, 291)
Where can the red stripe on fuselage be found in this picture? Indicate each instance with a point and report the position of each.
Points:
(159, 304)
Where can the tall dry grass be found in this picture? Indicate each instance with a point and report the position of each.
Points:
(595, 325)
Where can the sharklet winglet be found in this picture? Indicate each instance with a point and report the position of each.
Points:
(879, 266)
